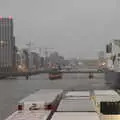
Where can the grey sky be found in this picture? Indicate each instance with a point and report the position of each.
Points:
(72, 27)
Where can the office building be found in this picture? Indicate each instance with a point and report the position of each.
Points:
(7, 45)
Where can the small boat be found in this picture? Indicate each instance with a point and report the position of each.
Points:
(55, 74)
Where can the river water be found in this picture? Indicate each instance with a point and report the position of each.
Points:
(13, 90)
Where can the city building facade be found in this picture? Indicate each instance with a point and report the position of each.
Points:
(22, 60)
(7, 45)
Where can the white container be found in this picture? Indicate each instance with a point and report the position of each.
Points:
(41, 98)
(80, 105)
(57, 91)
(105, 92)
(75, 116)
(106, 98)
(29, 115)
(46, 95)
(76, 98)
(110, 117)
(78, 94)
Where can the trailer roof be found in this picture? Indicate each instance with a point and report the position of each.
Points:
(83, 105)
(75, 116)
(105, 92)
(45, 95)
(76, 98)
(29, 115)
(108, 98)
(78, 93)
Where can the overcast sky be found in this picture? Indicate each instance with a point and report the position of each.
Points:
(72, 27)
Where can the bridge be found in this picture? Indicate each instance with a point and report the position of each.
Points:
(43, 72)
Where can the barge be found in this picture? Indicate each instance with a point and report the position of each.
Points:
(52, 104)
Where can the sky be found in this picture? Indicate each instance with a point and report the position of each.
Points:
(74, 28)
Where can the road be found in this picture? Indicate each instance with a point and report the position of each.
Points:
(13, 90)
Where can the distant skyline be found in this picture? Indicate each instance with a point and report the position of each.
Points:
(74, 28)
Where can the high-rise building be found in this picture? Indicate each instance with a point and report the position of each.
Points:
(7, 45)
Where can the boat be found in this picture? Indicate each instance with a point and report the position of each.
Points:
(112, 71)
(55, 74)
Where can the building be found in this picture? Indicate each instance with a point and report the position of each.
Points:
(56, 59)
(35, 61)
(90, 63)
(7, 45)
(27, 62)
(22, 60)
(42, 62)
